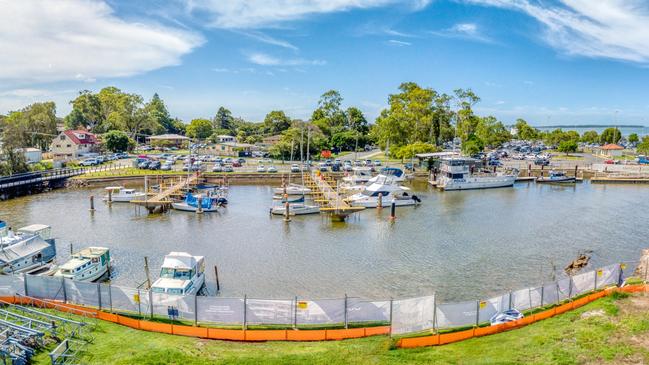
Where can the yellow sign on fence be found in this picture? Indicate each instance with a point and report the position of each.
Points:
(483, 304)
(600, 272)
(302, 305)
(136, 298)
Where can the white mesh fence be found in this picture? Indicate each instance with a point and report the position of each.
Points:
(322, 311)
(413, 315)
(268, 311)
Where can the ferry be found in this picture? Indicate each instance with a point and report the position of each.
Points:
(122, 195)
(31, 250)
(388, 190)
(89, 264)
(456, 175)
(181, 274)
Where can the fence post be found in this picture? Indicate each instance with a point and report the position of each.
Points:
(646, 270)
(529, 292)
(542, 292)
(65, 294)
(99, 295)
(25, 284)
(620, 274)
(139, 303)
(196, 309)
(477, 312)
(595, 287)
(295, 313)
(557, 287)
(110, 297)
(245, 299)
(151, 301)
(434, 312)
(510, 300)
(391, 302)
(345, 310)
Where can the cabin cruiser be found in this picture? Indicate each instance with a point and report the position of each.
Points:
(89, 264)
(30, 251)
(456, 174)
(292, 189)
(359, 176)
(295, 209)
(557, 177)
(181, 274)
(121, 194)
(396, 174)
(387, 190)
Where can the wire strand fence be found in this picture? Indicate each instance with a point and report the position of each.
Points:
(405, 316)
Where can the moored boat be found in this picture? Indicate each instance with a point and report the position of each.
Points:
(557, 177)
(90, 264)
(292, 189)
(207, 203)
(384, 192)
(456, 174)
(31, 250)
(181, 274)
(295, 209)
(121, 194)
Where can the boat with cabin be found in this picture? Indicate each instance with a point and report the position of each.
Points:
(121, 194)
(31, 250)
(386, 191)
(558, 177)
(395, 173)
(292, 189)
(90, 264)
(181, 274)
(207, 203)
(359, 176)
(295, 209)
(457, 174)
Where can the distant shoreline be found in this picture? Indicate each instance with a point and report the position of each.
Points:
(591, 126)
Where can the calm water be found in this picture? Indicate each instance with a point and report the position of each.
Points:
(460, 244)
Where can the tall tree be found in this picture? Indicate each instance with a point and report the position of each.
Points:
(466, 121)
(610, 135)
(329, 117)
(199, 128)
(86, 111)
(159, 115)
(223, 120)
(276, 122)
(32, 126)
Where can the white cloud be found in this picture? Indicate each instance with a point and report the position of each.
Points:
(261, 13)
(395, 42)
(265, 38)
(468, 31)
(615, 29)
(267, 60)
(57, 40)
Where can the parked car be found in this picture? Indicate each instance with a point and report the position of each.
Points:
(241, 160)
(144, 164)
(166, 167)
(261, 168)
(377, 162)
(227, 160)
(271, 169)
(335, 167)
(89, 162)
(228, 168)
(236, 163)
(154, 165)
(323, 167)
(541, 162)
(295, 168)
(217, 168)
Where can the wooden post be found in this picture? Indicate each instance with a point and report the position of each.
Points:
(92, 203)
(216, 274)
(380, 203)
(477, 313)
(393, 210)
(71, 251)
(529, 169)
(199, 205)
(146, 271)
(110, 196)
(576, 168)
(286, 207)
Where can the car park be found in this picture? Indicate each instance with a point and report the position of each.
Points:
(154, 165)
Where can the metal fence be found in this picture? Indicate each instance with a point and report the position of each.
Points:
(403, 315)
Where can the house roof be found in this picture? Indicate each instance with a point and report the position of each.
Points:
(80, 136)
(168, 136)
(612, 146)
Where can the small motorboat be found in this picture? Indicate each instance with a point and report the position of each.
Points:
(181, 274)
(293, 189)
(289, 200)
(388, 191)
(295, 209)
(89, 264)
(208, 203)
(557, 177)
(505, 316)
(122, 195)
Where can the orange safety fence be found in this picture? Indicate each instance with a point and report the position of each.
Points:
(445, 338)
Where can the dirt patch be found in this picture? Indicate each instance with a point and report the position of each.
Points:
(637, 304)
(593, 313)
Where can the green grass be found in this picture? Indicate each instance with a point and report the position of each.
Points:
(613, 333)
(126, 172)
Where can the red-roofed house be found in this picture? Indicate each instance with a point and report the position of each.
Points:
(71, 144)
(612, 150)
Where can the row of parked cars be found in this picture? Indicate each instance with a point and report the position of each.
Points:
(98, 160)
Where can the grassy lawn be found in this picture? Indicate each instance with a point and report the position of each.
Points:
(126, 172)
(611, 330)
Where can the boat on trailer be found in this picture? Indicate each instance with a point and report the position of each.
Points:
(90, 264)
(180, 274)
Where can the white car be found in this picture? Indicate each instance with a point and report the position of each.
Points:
(261, 168)
(166, 167)
(89, 162)
(272, 169)
(217, 168)
(295, 168)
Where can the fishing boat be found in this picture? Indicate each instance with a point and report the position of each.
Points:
(384, 191)
(293, 189)
(181, 274)
(295, 209)
(30, 251)
(557, 177)
(89, 264)
(122, 195)
(191, 203)
(456, 174)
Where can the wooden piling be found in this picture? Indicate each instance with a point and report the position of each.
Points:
(92, 203)
(393, 210)
(216, 274)
(199, 205)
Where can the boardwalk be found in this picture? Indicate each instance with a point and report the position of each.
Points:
(330, 201)
(168, 189)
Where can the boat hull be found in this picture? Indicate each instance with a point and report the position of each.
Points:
(294, 210)
(188, 208)
(567, 180)
(124, 199)
(372, 203)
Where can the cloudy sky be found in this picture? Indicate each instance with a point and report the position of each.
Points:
(548, 61)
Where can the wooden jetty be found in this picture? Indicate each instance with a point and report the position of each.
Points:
(169, 188)
(325, 195)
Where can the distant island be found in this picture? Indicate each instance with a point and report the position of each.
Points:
(592, 126)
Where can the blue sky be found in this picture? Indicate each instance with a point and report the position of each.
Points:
(550, 62)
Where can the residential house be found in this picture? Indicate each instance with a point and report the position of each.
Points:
(72, 144)
(611, 150)
(225, 138)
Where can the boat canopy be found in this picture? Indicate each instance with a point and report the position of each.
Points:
(180, 260)
(24, 248)
(193, 201)
(392, 171)
(113, 188)
(42, 230)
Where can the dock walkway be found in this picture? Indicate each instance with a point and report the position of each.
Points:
(330, 201)
(163, 198)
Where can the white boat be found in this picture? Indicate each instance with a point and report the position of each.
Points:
(456, 175)
(557, 177)
(181, 274)
(388, 192)
(359, 176)
(396, 174)
(31, 250)
(295, 209)
(89, 264)
(293, 189)
(190, 204)
(122, 195)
